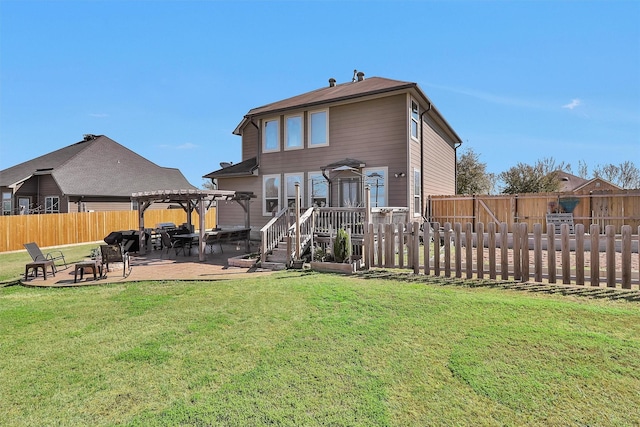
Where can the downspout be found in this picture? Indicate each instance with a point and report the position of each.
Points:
(259, 139)
(422, 199)
(455, 166)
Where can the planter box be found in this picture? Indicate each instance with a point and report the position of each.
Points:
(242, 261)
(336, 267)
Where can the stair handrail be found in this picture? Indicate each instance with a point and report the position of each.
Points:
(273, 231)
(306, 233)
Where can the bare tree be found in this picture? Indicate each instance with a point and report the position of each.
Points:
(628, 175)
(583, 169)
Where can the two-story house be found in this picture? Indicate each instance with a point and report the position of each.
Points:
(334, 141)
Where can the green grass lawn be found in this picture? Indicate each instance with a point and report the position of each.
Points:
(302, 348)
(12, 263)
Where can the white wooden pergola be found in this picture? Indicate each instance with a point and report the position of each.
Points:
(189, 200)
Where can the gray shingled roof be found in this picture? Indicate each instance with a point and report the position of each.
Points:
(245, 168)
(98, 167)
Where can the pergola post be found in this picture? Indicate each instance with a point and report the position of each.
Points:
(202, 211)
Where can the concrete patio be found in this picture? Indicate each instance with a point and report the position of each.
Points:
(160, 265)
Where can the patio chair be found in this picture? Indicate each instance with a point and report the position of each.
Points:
(169, 244)
(114, 254)
(37, 255)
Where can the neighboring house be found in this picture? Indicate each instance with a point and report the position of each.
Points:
(95, 174)
(336, 140)
(574, 184)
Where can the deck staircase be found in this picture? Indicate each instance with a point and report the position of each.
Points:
(279, 239)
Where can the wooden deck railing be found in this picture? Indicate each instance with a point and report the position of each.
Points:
(306, 233)
(273, 232)
(578, 259)
(328, 220)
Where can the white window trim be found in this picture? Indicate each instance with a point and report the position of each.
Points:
(286, 183)
(385, 183)
(412, 120)
(286, 132)
(310, 187)
(326, 124)
(264, 135)
(416, 196)
(264, 193)
(46, 209)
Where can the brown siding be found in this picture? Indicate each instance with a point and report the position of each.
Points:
(231, 214)
(250, 141)
(374, 131)
(439, 163)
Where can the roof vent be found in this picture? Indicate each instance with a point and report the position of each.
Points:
(89, 137)
(224, 165)
(360, 76)
(332, 82)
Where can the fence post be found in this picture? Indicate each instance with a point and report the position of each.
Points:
(492, 250)
(458, 248)
(566, 254)
(447, 249)
(516, 249)
(579, 230)
(480, 250)
(468, 237)
(594, 251)
(551, 252)
(415, 245)
(381, 244)
(426, 241)
(389, 238)
(436, 248)
(626, 257)
(537, 252)
(524, 244)
(504, 251)
(610, 232)
(401, 245)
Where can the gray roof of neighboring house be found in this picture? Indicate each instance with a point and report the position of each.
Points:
(97, 166)
(344, 92)
(245, 168)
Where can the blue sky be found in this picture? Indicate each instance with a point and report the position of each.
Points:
(518, 81)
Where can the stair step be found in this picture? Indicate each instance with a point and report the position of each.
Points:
(273, 265)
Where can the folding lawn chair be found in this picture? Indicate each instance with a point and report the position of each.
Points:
(37, 255)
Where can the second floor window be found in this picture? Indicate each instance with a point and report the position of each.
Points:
(415, 120)
(318, 129)
(270, 135)
(293, 132)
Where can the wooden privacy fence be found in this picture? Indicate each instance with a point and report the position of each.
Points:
(523, 255)
(603, 208)
(81, 227)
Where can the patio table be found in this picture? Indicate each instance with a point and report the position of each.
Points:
(187, 240)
